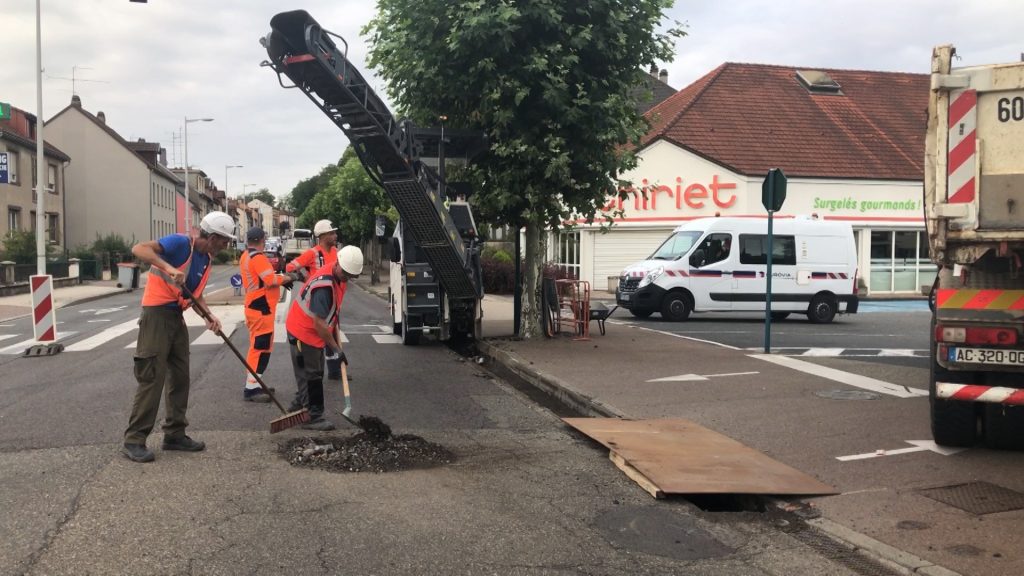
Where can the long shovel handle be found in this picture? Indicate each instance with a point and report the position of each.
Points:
(208, 317)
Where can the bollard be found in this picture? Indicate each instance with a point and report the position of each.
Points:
(6, 272)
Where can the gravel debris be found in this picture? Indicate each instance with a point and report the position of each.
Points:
(369, 451)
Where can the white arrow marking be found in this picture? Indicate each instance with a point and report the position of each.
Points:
(918, 446)
(101, 311)
(856, 380)
(694, 377)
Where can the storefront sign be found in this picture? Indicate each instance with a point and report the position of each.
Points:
(682, 196)
(851, 204)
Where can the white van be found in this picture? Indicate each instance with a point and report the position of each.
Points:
(719, 265)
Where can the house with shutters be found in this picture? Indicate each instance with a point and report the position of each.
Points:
(18, 190)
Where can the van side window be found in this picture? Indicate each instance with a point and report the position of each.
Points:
(714, 248)
(753, 249)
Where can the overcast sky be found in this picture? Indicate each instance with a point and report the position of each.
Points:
(151, 65)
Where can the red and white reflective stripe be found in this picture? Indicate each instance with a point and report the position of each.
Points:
(43, 327)
(975, 393)
(962, 146)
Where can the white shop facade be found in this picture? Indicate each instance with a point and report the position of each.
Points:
(886, 216)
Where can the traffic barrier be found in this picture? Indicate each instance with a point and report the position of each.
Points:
(44, 326)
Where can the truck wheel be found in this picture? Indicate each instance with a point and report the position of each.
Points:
(676, 307)
(641, 313)
(822, 309)
(409, 337)
(1004, 427)
(954, 423)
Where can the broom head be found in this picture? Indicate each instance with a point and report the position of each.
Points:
(289, 420)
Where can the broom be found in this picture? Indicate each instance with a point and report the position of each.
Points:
(289, 419)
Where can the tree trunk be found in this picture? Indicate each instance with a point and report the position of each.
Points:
(532, 326)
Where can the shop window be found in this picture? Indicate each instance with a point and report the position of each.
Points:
(568, 255)
(899, 261)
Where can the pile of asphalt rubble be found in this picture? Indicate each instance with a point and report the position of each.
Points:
(374, 449)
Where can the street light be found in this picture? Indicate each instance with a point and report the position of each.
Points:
(226, 176)
(187, 122)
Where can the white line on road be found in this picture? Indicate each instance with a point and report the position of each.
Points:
(823, 352)
(103, 336)
(7, 336)
(674, 335)
(848, 378)
(918, 446)
(387, 338)
(698, 377)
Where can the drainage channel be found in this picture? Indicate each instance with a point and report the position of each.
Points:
(771, 509)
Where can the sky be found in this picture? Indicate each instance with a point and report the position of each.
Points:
(149, 66)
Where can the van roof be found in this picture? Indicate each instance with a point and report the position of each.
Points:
(786, 225)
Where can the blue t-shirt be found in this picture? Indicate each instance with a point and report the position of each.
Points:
(176, 248)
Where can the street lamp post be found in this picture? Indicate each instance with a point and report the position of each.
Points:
(40, 155)
(226, 193)
(187, 122)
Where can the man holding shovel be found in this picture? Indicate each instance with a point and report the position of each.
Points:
(161, 354)
(313, 313)
(326, 250)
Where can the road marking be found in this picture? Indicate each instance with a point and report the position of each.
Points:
(849, 378)
(917, 446)
(674, 335)
(19, 348)
(696, 377)
(7, 336)
(102, 311)
(823, 352)
(103, 336)
(387, 338)
(845, 352)
(100, 320)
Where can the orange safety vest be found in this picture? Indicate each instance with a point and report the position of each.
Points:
(161, 290)
(300, 322)
(259, 281)
(313, 259)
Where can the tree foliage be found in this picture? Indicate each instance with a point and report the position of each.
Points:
(551, 83)
(304, 192)
(351, 201)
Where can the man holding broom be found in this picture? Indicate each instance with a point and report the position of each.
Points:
(314, 311)
(161, 354)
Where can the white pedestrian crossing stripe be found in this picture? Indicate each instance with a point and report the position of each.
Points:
(103, 336)
(19, 348)
(846, 352)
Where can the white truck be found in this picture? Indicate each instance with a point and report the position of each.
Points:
(719, 265)
(974, 209)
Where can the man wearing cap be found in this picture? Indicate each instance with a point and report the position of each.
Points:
(262, 293)
(314, 311)
(161, 353)
(325, 252)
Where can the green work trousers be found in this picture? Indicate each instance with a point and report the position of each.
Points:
(161, 369)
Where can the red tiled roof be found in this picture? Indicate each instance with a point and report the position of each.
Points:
(752, 117)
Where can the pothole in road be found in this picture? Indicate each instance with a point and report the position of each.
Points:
(374, 450)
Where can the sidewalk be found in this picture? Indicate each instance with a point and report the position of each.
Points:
(20, 305)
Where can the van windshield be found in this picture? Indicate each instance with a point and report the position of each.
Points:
(676, 246)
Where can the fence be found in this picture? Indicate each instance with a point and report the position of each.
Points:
(55, 269)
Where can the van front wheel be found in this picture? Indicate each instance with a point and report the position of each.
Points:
(822, 309)
(676, 307)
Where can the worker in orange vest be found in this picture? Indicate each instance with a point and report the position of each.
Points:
(262, 293)
(313, 312)
(161, 354)
(325, 251)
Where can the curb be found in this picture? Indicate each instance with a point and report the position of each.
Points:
(898, 559)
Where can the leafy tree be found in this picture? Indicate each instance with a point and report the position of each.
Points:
(20, 247)
(551, 83)
(304, 192)
(263, 194)
(351, 200)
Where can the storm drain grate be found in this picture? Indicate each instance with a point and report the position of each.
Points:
(843, 555)
(978, 498)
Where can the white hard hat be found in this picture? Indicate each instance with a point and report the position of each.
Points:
(323, 227)
(218, 223)
(350, 258)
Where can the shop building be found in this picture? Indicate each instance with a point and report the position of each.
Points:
(851, 143)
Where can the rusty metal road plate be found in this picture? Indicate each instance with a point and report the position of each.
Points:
(682, 457)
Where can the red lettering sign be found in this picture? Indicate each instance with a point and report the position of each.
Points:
(694, 195)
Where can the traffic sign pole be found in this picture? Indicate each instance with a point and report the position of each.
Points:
(773, 194)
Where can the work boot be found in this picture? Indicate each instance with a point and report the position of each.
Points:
(137, 453)
(183, 443)
(255, 395)
(320, 424)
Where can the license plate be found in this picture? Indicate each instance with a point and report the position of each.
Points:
(986, 356)
(624, 297)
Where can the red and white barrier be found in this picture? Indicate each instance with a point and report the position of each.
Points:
(44, 326)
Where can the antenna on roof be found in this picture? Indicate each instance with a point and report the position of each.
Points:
(74, 79)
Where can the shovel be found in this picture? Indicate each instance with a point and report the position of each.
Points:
(347, 412)
(289, 419)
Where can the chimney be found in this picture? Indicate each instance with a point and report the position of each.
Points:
(654, 70)
(102, 117)
(663, 75)
(76, 101)
(163, 157)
